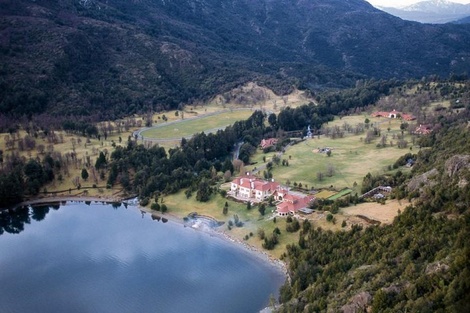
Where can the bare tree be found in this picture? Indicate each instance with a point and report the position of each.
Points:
(330, 170)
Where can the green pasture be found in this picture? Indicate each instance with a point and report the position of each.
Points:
(351, 160)
(180, 206)
(340, 194)
(190, 126)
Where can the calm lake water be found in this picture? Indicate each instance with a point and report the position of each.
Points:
(99, 258)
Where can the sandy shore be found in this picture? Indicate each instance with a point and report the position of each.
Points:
(280, 265)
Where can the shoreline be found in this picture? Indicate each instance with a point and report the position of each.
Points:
(262, 255)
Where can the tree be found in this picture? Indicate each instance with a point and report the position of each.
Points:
(276, 159)
(101, 161)
(225, 210)
(330, 170)
(203, 191)
(262, 209)
(155, 206)
(84, 174)
(248, 205)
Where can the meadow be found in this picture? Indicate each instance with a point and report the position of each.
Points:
(190, 126)
(350, 160)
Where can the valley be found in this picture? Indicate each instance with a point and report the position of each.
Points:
(329, 136)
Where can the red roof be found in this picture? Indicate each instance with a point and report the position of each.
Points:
(408, 117)
(296, 204)
(423, 129)
(405, 116)
(380, 114)
(265, 143)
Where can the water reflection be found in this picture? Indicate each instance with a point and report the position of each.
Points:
(94, 258)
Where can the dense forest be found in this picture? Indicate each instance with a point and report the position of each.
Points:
(417, 264)
(100, 60)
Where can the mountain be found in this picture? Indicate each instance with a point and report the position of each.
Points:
(115, 57)
(431, 11)
(465, 20)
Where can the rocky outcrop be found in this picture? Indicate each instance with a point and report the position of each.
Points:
(358, 303)
(425, 179)
(456, 164)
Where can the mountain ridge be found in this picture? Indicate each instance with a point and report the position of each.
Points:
(119, 57)
(430, 11)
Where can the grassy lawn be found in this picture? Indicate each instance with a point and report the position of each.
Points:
(350, 161)
(340, 194)
(190, 126)
(178, 205)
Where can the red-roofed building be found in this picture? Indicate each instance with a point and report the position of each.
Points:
(254, 189)
(408, 117)
(291, 203)
(394, 114)
(423, 129)
(250, 187)
(266, 143)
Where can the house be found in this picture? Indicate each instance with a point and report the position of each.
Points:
(291, 203)
(252, 188)
(269, 142)
(423, 129)
(394, 114)
(382, 190)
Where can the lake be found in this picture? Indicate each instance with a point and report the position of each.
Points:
(108, 258)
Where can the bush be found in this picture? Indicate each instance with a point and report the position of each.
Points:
(293, 226)
(144, 202)
(329, 217)
(155, 207)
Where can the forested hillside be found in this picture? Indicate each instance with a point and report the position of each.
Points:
(420, 263)
(112, 58)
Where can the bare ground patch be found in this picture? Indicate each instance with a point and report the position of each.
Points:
(375, 211)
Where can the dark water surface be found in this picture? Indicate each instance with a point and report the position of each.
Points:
(96, 258)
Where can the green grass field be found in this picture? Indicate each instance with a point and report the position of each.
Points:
(350, 161)
(340, 194)
(191, 126)
(179, 206)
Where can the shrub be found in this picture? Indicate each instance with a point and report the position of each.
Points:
(155, 207)
(144, 202)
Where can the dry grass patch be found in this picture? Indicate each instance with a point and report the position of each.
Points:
(384, 213)
(325, 194)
